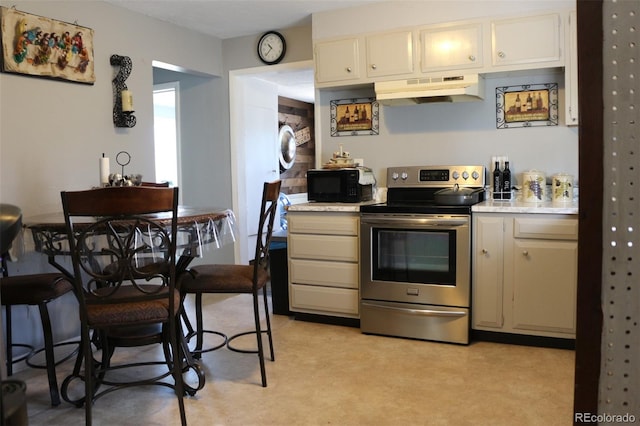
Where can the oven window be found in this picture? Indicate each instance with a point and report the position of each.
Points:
(418, 256)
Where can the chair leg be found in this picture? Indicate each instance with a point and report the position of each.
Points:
(176, 363)
(88, 374)
(49, 354)
(266, 313)
(199, 327)
(9, 340)
(256, 314)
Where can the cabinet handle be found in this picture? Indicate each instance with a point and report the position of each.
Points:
(374, 66)
(501, 54)
(348, 69)
(485, 251)
(525, 253)
(472, 58)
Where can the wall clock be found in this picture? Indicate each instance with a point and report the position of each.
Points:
(271, 47)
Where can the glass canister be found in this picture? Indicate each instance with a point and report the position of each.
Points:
(562, 188)
(534, 185)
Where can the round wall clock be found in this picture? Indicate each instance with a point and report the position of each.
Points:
(271, 47)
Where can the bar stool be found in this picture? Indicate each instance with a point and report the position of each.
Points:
(240, 279)
(35, 290)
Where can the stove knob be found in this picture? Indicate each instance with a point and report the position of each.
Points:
(404, 175)
(465, 175)
(456, 175)
(394, 175)
(475, 175)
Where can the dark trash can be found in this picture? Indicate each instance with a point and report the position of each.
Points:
(279, 274)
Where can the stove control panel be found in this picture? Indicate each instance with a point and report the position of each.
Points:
(436, 176)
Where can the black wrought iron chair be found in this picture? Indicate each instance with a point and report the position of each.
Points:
(30, 290)
(249, 279)
(123, 249)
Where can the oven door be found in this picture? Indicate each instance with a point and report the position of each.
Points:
(418, 259)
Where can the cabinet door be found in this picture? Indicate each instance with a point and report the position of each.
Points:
(545, 281)
(528, 40)
(390, 54)
(488, 272)
(451, 48)
(324, 300)
(337, 60)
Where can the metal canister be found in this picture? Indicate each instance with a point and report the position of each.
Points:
(533, 186)
(562, 188)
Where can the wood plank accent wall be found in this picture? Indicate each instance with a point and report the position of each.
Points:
(298, 115)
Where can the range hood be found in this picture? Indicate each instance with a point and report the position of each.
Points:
(460, 88)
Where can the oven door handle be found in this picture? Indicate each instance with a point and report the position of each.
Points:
(435, 222)
(419, 312)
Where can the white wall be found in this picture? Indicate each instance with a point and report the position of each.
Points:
(459, 133)
(406, 13)
(454, 133)
(52, 132)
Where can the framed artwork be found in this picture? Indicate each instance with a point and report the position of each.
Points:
(37, 46)
(355, 117)
(527, 105)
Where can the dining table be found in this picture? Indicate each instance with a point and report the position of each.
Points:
(200, 229)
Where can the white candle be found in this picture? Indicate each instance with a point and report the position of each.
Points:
(127, 100)
(104, 170)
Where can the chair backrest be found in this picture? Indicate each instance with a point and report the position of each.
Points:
(155, 184)
(122, 239)
(268, 207)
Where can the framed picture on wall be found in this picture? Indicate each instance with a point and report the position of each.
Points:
(42, 47)
(527, 105)
(355, 117)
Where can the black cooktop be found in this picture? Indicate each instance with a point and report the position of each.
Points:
(415, 201)
(412, 208)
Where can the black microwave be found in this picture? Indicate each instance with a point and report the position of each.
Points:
(338, 186)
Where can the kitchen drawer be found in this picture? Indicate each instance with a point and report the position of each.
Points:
(323, 247)
(324, 299)
(323, 223)
(331, 274)
(550, 229)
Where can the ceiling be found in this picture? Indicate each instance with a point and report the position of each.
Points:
(236, 18)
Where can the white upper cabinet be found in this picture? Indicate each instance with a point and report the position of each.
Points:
(337, 60)
(390, 54)
(533, 41)
(451, 47)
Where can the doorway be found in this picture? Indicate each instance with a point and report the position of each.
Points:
(166, 119)
(255, 91)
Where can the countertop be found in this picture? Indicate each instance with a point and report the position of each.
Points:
(489, 206)
(329, 207)
(546, 207)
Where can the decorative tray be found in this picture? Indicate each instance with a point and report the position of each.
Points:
(339, 165)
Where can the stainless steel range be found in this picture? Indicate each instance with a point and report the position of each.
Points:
(415, 255)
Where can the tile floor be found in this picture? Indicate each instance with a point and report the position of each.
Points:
(333, 375)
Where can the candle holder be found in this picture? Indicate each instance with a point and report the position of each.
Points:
(121, 118)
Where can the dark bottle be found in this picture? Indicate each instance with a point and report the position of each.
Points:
(497, 181)
(506, 181)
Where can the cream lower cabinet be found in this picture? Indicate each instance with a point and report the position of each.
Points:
(323, 249)
(525, 274)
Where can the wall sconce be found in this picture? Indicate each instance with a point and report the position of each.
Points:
(122, 97)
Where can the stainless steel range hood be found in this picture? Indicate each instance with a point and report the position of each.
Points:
(461, 88)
